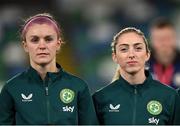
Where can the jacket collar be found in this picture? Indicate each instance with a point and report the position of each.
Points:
(138, 87)
(34, 75)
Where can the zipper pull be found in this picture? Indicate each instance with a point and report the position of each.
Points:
(47, 92)
(135, 90)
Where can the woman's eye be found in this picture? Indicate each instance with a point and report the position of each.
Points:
(123, 49)
(139, 48)
(35, 39)
(48, 39)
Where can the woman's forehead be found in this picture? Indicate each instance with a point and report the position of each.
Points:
(38, 26)
(41, 29)
(130, 38)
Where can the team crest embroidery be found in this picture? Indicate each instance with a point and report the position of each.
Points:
(154, 107)
(66, 95)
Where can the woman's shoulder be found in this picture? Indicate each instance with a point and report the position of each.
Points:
(17, 77)
(162, 87)
(71, 76)
(74, 79)
(107, 89)
(15, 80)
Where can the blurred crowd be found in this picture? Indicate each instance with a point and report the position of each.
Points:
(88, 28)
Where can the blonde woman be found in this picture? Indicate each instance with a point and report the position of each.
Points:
(134, 98)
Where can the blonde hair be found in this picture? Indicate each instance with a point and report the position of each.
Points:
(116, 74)
(127, 30)
(114, 43)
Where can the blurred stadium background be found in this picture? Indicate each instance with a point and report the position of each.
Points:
(88, 27)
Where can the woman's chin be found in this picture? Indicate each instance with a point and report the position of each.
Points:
(43, 63)
(133, 71)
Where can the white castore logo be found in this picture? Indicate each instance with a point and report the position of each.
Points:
(114, 108)
(26, 98)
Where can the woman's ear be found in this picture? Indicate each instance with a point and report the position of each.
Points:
(148, 56)
(59, 42)
(114, 57)
(24, 44)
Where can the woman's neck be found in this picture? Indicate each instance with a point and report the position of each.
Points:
(43, 69)
(134, 78)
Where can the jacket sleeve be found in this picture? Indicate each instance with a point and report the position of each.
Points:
(7, 113)
(176, 111)
(97, 108)
(86, 111)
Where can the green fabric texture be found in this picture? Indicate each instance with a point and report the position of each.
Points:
(149, 103)
(61, 99)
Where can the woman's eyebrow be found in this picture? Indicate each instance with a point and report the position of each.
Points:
(123, 45)
(135, 44)
(139, 43)
(33, 36)
(47, 36)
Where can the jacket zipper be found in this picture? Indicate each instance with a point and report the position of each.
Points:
(134, 110)
(47, 103)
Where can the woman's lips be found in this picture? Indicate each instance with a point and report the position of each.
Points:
(132, 62)
(42, 54)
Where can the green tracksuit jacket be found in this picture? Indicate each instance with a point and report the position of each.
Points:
(60, 99)
(178, 90)
(147, 103)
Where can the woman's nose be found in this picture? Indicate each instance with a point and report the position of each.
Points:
(131, 54)
(42, 44)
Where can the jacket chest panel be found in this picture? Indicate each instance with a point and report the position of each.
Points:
(135, 109)
(36, 104)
